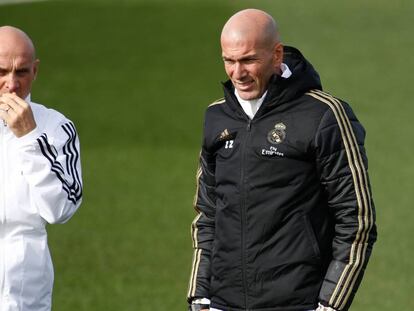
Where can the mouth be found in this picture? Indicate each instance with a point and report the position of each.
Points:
(243, 86)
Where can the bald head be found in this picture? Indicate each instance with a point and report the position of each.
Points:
(253, 25)
(15, 40)
(251, 51)
(18, 63)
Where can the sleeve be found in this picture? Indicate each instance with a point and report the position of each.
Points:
(342, 163)
(51, 166)
(203, 227)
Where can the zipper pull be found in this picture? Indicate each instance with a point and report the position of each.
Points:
(249, 125)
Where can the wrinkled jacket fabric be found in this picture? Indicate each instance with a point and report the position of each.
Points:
(40, 183)
(285, 215)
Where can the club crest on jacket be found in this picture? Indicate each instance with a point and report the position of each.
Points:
(277, 135)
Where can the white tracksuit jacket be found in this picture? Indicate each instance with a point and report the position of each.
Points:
(40, 183)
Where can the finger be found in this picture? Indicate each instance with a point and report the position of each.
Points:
(11, 102)
(16, 99)
(19, 100)
(8, 113)
(4, 106)
(8, 109)
(4, 116)
(11, 112)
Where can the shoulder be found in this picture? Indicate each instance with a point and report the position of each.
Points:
(335, 110)
(45, 114)
(217, 105)
(326, 100)
(217, 102)
(49, 120)
(215, 109)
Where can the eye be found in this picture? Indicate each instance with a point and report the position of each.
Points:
(3, 72)
(228, 61)
(22, 72)
(248, 61)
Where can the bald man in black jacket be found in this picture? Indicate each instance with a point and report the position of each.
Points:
(285, 214)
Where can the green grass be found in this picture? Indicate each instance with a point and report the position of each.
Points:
(136, 76)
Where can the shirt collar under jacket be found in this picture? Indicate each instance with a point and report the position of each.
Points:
(250, 107)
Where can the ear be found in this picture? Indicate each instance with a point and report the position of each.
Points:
(35, 68)
(278, 54)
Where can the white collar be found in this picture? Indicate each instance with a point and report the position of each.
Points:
(250, 107)
(286, 73)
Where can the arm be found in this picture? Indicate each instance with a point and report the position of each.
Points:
(343, 167)
(51, 167)
(202, 228)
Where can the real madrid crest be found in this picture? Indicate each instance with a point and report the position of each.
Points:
(278, 134)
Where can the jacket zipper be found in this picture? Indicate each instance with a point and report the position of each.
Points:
(243, 213)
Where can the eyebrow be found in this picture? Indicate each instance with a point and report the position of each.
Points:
(244, 58)
(21, 68)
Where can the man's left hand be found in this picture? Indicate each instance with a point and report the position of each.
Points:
(17, 114)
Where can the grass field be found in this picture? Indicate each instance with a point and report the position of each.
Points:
(136, 76)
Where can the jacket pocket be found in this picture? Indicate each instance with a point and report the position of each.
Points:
(37, 270)
(310, 233)
(13, 274)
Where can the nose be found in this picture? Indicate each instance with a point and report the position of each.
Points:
(239, 71)
(12, 83)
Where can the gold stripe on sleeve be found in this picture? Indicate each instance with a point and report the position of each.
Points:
(196, 257)
(365, 216)
(198, 175)
(194, 231)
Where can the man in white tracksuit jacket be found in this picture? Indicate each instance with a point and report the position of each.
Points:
(40, 178)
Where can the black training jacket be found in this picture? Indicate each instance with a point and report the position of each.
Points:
(285, 216)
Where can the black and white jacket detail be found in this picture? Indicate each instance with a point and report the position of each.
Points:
(285, 214)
